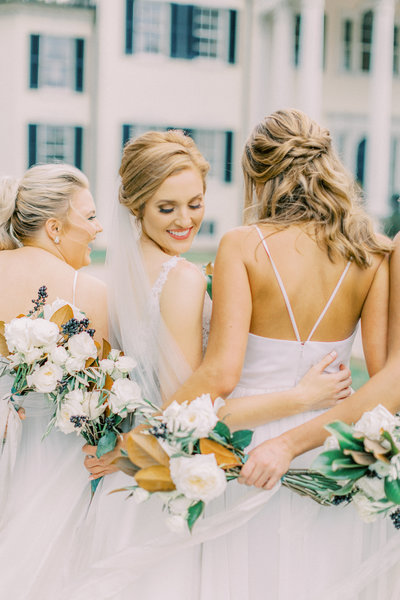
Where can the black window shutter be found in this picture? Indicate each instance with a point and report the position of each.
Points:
(78, 147)
(232, 36)
(129, 27)
(31, 144)
(182, 31)
(126, 134)
(228, 156)
(34, 68)
(79, 63)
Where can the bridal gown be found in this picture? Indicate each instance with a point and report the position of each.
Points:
(295, 548)
(46, 497)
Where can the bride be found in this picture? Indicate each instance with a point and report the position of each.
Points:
(289, 286)
(47, 221)
(159, 315)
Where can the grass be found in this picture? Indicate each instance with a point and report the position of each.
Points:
(359, 372)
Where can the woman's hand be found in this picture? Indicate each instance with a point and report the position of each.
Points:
(99, 467)
(267, 463)
(323, 390)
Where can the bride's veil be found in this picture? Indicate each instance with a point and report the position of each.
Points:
(135, 321)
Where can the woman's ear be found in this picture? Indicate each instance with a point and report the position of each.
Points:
(53, 229)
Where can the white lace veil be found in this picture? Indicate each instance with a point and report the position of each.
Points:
(135, 321)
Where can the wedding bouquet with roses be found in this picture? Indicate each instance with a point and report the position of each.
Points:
(360, 464)
(185, 455)
(51, 350)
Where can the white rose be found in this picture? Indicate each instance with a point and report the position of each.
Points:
(125, 396)
(179, 505)
(82, 346)
(90, 405)
(372, 487)
(33, 355)
(45, 378)
(16, 359)
(59, 355)
(140, 495)
(18, 334)
(198, 416)
(44, 333)
(73, 364)
(114, 354)
(176, 523)
(373, 421)
(125, 364)
(70, 407)
(50, 309)
(365, 508)
(198, 476)
(107, 366)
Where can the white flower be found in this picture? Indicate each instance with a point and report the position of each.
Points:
(59, 355)
(140, 495)
(372, 487)
(114, 354)
(125, 364)
(70, 407)
(198, 416)
(373, 422)
(90, 405)
(73, 364)
(383, 469)
(33, 355)
(45, 378)
(365, 508)
(107, 366)
(198, 476)
(179, 504)
(18, 334)
(125, 396)
(331, 443)
(82, 346)
(44, 334)
(50, 309)
(176, 523)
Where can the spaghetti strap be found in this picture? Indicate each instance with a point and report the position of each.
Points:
(327, 305)
(74, 287)
(280, 283)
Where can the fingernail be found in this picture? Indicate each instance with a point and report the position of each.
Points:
(333, 353)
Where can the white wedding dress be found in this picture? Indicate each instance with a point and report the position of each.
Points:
(47, 494)
(295, 548)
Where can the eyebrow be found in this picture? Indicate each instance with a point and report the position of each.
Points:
(198, 196)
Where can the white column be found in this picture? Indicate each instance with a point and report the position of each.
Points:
(311, 55)
(282, 51)
(378, 144)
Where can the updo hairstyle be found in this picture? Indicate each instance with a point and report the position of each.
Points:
(44, 192)
(148, 160)
(293, 175)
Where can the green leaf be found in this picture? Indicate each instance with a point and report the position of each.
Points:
(392, 490)
(242, 438)
(209, 285)
(223, 430)
(324, 464)
(344, 435)
(106, 443)
(194, 513)
(94, 483)
(393, 446)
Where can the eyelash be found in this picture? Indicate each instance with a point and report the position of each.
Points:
(166, 211)
(92, 218)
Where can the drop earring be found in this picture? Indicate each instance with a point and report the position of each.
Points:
(56, 240)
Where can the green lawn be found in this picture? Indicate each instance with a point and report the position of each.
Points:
(358, 372)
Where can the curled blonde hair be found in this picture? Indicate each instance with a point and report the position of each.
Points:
(44, 192)
(293, 175)
(148, 160)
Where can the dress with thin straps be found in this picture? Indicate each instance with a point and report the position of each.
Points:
(293, 548)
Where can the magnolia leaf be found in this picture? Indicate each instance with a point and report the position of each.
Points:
(106, 349)
(345, 462)
(324, 464)
(392, 490)
(223, 431)
(155, 479)
(125, 465)
(109, 382)
(387, 436)
(377, 449)
(106, 443)
(98, 347)
(194, 512)
(242, 438)
(344, 435)
(361, 458)
(145, 451)
(2, 327)
(89, 362)
(224, 457)
(62, 315)
(94, 483)
(4, 351)
(209, 268)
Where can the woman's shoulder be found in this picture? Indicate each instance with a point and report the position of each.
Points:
(186, 273)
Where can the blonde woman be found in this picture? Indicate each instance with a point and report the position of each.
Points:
(47, 223)
(289, 286)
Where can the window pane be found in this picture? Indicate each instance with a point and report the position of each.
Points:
(297, 33)
(366, 40)
(149, 26)
(55, 143)
(347, 44)
(56, 61)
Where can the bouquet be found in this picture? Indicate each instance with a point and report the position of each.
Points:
(51, 350)
(185, 455)
(360, 464)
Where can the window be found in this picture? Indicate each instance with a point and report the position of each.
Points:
(366, 40)
(347, 44)
(55, 143)
(56, 62)
(297, 34)
(207, 228)
(180, 30)
(360, 167)
(216, 146)
(396, 50)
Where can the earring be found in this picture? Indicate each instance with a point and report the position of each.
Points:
(56, 240)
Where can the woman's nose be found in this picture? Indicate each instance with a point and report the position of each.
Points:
(183, 218)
